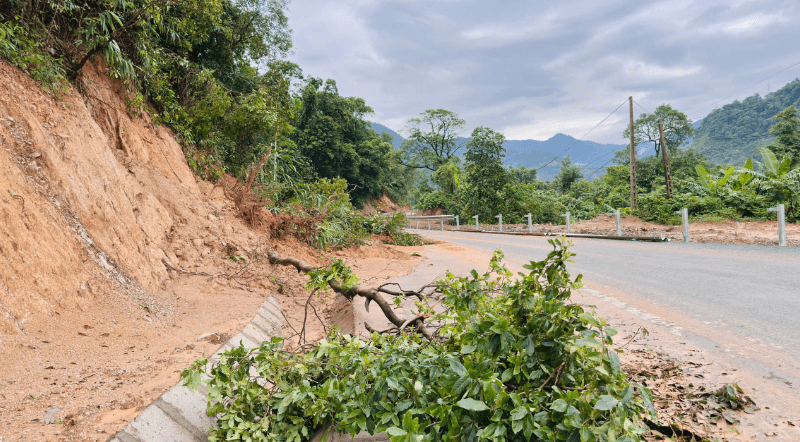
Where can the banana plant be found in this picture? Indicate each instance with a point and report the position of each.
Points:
(713, 183)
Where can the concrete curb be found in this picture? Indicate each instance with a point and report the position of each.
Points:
(180, 415)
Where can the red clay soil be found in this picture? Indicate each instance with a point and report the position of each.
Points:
(115, 258)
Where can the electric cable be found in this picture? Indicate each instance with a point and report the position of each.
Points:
(581, 138)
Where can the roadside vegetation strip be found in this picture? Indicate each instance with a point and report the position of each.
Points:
(509, 358)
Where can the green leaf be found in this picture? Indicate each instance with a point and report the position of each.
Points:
(771, 164)
(472, 404)
(606, 403)
(559, 405)
(458, 367)
(468, 348)
(576, 437)
(460, 385)
(529, 345)
(396, 431)
(519, 413)
(615, 364)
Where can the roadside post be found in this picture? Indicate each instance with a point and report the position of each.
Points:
(458, 225)
(417, 224)
(568, 226)
(500, 217)
(530, 226)
(429, 224)
(780, 209)
(477, 226)
(619, 227)
(685, 217)
(442, 221)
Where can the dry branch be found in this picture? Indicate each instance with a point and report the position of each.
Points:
(371, 294)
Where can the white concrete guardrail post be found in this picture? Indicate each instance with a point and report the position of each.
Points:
(458, 224)
(568, 226)
(619, 226)
(477, 226)
(442, 221)
(429, 224)
(530, 226)
(685, 217)
(500, 217)
(780, 209)
(418, 224)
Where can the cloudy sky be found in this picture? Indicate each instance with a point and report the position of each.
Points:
(531, 69)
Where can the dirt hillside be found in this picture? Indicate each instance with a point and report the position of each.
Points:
(96, 205)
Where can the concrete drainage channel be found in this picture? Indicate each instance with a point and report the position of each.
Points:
(180, 415)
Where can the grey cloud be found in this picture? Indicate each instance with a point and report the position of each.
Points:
(536, 68)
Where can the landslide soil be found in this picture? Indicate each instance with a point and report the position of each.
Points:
(115, 259)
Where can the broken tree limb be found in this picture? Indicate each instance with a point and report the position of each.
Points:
(371, 294)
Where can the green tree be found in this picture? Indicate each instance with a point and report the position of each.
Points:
(787, 134)
(485, 175)
(567, 175)
(432, 140)
(523, 175)
(677, 128)
(333, 135)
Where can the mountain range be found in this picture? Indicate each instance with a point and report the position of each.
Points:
(545, 156)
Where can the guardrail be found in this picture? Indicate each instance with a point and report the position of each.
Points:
(779, 210)
(429, 218)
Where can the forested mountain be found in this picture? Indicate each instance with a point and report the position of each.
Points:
(587, 155)
(734, 132)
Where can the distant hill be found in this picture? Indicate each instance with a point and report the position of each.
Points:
(734, 132)
(380, 129)
(587, 155)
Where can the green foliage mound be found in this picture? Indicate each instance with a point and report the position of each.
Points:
(512, 360)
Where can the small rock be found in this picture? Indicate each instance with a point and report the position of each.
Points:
(771, 434)
(208, 337)
(50, 415)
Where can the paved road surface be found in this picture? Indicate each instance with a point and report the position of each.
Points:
(742, 302)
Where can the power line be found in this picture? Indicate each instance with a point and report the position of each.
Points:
(748, 87)
(640, 106)
(612, 159)
(584, 136)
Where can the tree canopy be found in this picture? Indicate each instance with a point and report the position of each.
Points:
(736, 131)
(432, 138)
(677, 129)
(485, 174)
(787, 134)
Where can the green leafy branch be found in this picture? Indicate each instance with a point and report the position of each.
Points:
(513, 360)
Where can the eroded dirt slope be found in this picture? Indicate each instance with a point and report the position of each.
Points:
(114, 259)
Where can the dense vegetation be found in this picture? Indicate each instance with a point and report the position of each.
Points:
(735, 132)
(483, 187)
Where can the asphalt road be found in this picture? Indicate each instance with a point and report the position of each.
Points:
(737, 300)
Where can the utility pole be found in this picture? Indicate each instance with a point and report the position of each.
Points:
(634, 199)
(667, 171)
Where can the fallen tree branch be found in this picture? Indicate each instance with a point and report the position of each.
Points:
(371, 294)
